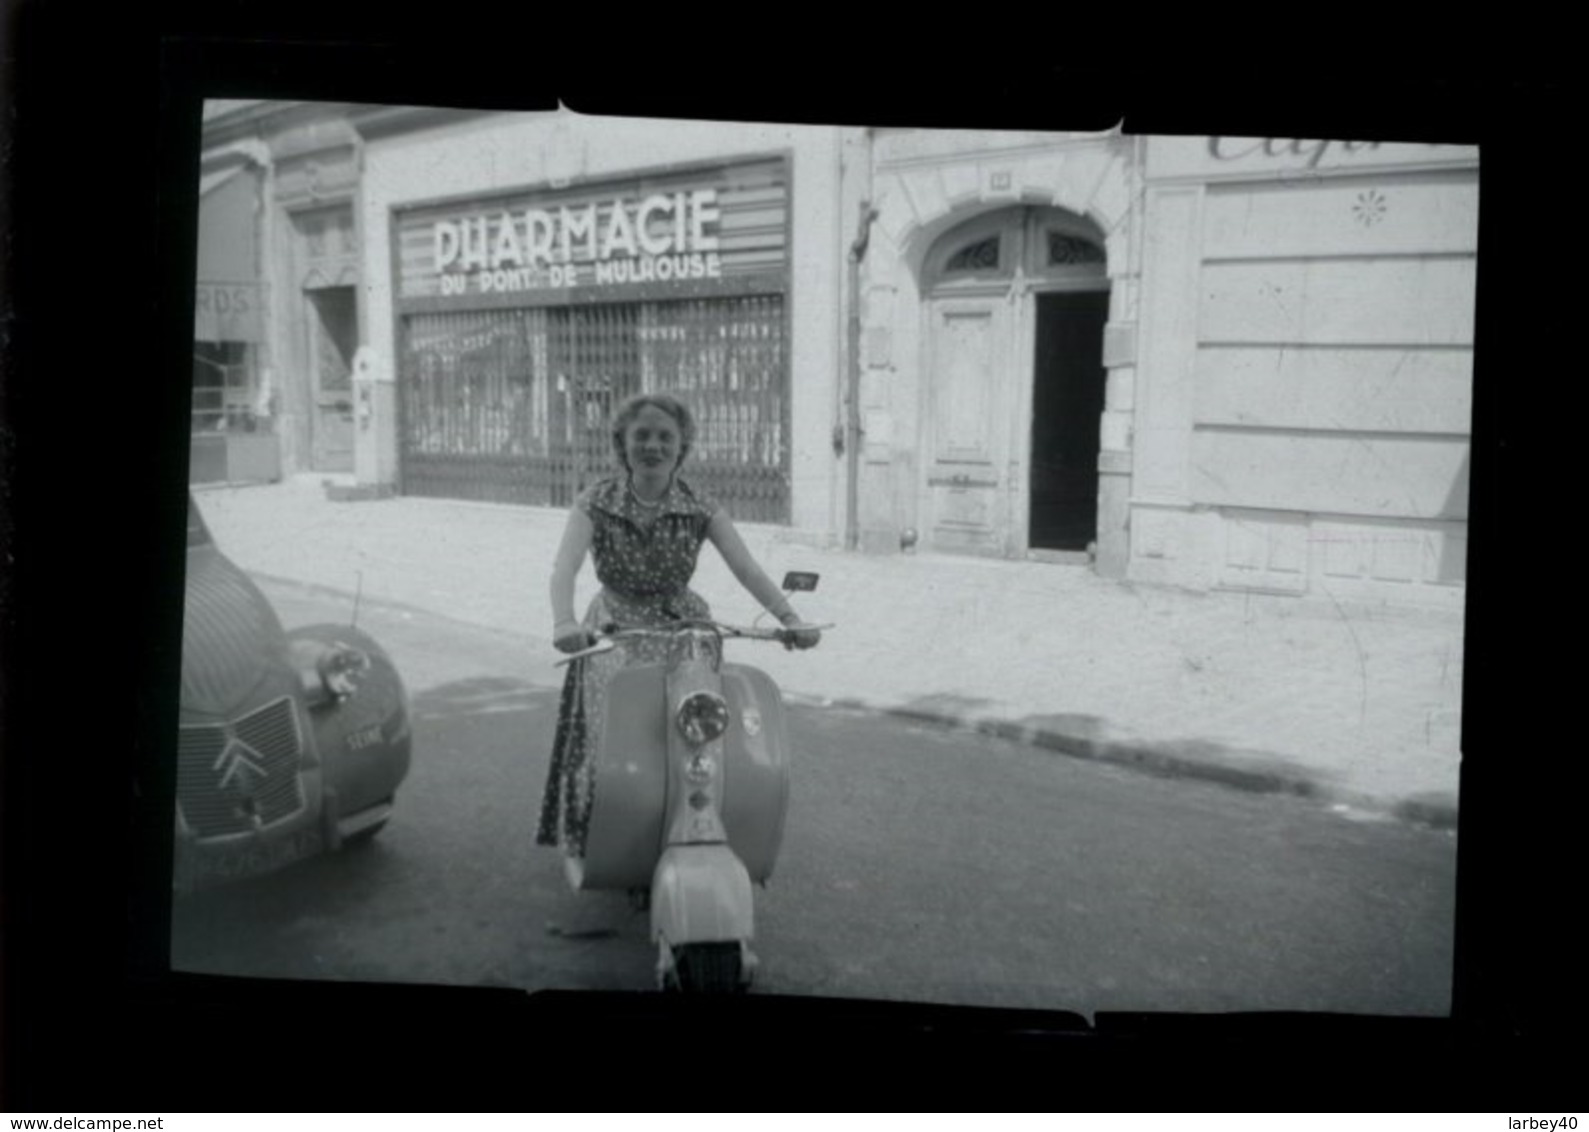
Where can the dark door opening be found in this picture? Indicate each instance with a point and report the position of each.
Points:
(334, 330)
(1067, 408)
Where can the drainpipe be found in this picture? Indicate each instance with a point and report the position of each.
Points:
(852, 423)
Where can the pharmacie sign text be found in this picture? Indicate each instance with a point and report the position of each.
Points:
(654, 239)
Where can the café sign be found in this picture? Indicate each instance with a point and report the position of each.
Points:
(625, 241)
(1238, 157)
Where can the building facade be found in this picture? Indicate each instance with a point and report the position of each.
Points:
(229, 433)
(993, 293)
(1305, 367)
(1201, 362)
(276, 309)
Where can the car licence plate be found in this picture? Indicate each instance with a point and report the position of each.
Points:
(212, 864)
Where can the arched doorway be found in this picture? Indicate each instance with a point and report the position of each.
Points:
(1014, 384)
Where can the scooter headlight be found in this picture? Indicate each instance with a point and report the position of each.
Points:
(702, 717)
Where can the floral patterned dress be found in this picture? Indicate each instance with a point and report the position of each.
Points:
(644, 558)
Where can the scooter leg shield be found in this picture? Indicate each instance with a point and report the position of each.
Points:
(700, 894)
(756, 756)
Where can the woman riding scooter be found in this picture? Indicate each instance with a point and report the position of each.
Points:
(644, 530)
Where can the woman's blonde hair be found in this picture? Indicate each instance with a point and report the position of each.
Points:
(626, 413)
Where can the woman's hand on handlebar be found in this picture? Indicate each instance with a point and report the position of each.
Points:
(798, 638)
(796, 634)
(571, 637)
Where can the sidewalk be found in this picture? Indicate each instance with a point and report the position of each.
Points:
(1360, 708)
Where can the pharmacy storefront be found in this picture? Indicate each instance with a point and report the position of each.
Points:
(525, 308)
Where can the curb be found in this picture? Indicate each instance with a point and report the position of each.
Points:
(1155, 759)
(1148, 757)
(359, 493)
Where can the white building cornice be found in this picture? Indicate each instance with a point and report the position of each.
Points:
(900, 151)
(228, 121)
(372, 122)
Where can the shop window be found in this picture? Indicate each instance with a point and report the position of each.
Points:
(516, 404)
(727, 356)
(223, 393)
(479, 384)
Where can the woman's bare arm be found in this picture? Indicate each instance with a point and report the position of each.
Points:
(744, 566)
(565, 567)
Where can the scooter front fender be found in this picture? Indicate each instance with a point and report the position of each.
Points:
(701, 894)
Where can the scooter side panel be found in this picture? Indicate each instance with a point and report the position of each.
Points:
(756, 768)
(626, 822)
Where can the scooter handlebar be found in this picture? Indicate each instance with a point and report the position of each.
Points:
(755, 633)
(610, 635)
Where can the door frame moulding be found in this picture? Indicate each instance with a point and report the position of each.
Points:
(1017, 224)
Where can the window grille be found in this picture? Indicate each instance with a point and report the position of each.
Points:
(981, 256)
(515, 405)
(1063, 249)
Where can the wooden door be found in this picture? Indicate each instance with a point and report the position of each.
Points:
(967, 445)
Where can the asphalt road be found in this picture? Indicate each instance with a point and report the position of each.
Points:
(918, 864)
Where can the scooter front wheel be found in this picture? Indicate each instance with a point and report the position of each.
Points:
(704, 968)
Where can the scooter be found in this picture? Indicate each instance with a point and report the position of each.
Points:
(692, 786)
